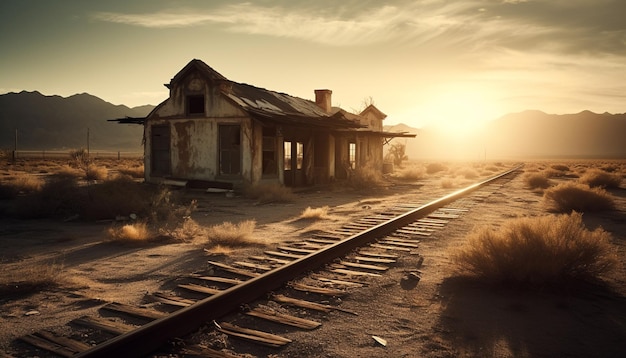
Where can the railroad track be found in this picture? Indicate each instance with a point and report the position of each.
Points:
(328, 264)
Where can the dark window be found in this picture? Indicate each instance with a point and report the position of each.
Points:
(195, 104)
(230, 149)
(269, 151)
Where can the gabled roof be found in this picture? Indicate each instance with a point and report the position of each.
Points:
(199, 66)
(377, 113)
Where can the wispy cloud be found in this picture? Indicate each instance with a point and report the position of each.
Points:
(555, 25)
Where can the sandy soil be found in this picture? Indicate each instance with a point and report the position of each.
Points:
(441, 316)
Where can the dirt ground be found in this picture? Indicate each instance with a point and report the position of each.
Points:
(441, 316)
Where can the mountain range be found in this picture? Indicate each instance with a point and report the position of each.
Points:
(529, 134)
(61, 123)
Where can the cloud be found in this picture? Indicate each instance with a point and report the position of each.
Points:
(573, 26)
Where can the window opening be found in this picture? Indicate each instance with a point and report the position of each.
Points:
(230, 149)
(287, 147)
(352, 155)
(195, 104)
(299, 154)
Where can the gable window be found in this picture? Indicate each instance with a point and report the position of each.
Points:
(230, 149)
(195, 104)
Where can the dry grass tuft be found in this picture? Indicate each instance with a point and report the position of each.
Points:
(93, 172)
(433, 168)
(66, 171)
(219, 250)
(600, 178)
(567, 197)
(269, 193)
(229, 234)
(188, 230)
(538, 251)
(22, 279)
(134, 172)
(560, 167)
(317, 213)
(410, 173)
(366, 177)
(537, 180)
(134, 233)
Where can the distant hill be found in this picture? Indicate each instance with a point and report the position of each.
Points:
(57, 123)
(528, 134)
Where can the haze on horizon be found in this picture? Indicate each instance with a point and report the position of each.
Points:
(453, 63)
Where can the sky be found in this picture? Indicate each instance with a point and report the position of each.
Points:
(453, 63)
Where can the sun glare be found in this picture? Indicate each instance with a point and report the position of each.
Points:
(459, 111)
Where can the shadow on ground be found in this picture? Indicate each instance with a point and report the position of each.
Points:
(483, 321)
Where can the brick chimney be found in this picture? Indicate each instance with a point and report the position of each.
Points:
(322, 99)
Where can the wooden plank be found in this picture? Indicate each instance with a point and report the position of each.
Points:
(134, 311)
(364, 266)
(398, 243)
(234, 270)
(232, 281)
(284, 254)
(203, 351)
(270, 260)
(260, 337)
(200, 289)
(337, 282)
(104, 325)
(320, 290)
(309, 305)
(354, 273)
(252, 265)
(373, 259)
(414, 232)
(66, 342)
(47, 345)
(378, 254)
(296, 249)
(401, 239)
(432, 221)
(390, 247)
(322, 241)
(282, 318)
(172, 300)
(328, 235)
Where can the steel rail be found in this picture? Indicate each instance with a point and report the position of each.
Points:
(155, 334)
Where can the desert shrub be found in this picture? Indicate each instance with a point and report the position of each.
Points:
(229, 234)
(79, 157)
(26, 279)
(365, 177)
(410, 173)
(433, 168)
(468, 173)
(560, 167)
(134, 233)
(93, 172)
(536, 181)
(269, 193)
(187, 230)
(20, 184)
(66, 171)
(317, 213)
(537, 251)
(58, 197)
(600, 178)
(135, 172)
(567, 197)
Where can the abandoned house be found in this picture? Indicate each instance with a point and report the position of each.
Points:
(216, 131)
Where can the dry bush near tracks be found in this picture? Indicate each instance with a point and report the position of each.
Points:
(409, 173)
(134, 172)
(94, 172)
(232, 235)
(317, 213)
(537, 181)
(567, 197)
(269, 193)
(134, 233)
(433, 168)
(600, 178)
(20, 184)
(58, 197)
(27, 279)
(537, 251)
(365, 177)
